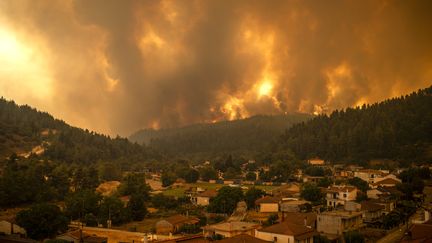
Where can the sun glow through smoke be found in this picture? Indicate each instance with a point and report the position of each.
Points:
(22, 69)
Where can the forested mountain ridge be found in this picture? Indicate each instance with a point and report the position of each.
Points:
(398, 128)
(245, 135)
(22, 128)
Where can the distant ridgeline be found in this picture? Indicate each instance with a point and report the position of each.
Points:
(398, 129)
(24, 130)
(240, 136)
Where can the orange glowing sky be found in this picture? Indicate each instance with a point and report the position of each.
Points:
(119, 66)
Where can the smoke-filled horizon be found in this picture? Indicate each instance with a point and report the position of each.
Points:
(119, 66)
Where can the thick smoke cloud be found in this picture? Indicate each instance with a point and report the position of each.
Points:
(118, 66)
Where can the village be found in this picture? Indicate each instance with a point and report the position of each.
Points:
(323, 203)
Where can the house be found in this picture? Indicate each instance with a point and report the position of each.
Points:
(268, 204)
(203, 198)
(387, 182)
(334, 223)
(10, 228)
(289, 190)
(383, 192)
(372, 211)
(313, 179)
(77, 236)
(230, 229)
(293, 205)
(376, 193)
(339, 194)
(286, 232)
(185, 239)
(174, 223)
(306, 219)
(243, 238)
(388, 204)
(316, 161)
(340, 173)
(372, 176)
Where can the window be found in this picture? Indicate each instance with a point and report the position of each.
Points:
(345, 195)
(275, 239)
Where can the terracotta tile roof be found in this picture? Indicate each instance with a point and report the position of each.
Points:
(268, 199)
(342, 214)
(386, 182)
(371, 207)
(208, 193)
(76, 234)
(341, 188)
(371, 171)
(232, 226)
(285, 228)
(243, 238)
(187, 239)
(389, 189)
(299, 218)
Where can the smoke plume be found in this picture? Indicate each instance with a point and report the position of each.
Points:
(118, 66)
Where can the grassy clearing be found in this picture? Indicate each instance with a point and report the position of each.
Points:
(176, 192)
(266, 188)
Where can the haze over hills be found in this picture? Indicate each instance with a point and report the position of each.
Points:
(243, 136)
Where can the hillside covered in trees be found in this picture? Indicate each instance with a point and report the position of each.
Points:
(22, 129)
(239, 136)
(398, 129)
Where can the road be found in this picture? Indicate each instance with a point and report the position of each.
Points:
(395, 236)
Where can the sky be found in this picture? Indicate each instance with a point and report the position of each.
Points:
(118, 66)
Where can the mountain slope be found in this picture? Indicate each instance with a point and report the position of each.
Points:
(244, 135)
(24, 129)
(399, 129)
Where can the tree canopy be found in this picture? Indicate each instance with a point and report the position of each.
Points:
(397, 128)
(42, 221)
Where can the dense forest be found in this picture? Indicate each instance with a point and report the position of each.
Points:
(398, 129)
(242, 137)
(22, 128)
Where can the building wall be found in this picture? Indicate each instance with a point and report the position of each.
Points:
(227, 234)
(203, 201)
(333, 224)
(372, 177)
(371, 216)
(340, 198)
(269, 207)
(271, 237)
(329, 224)
(5, 227)
(373, 193)
(352, 223)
